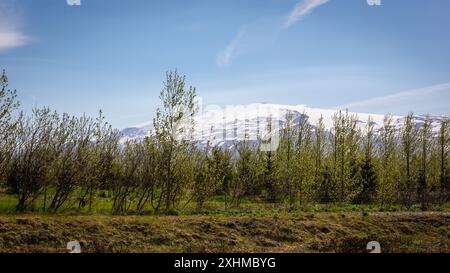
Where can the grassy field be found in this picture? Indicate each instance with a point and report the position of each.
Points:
(286, 232)
(215, 206)
(254, 227)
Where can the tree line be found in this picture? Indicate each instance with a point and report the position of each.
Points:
(49, 161)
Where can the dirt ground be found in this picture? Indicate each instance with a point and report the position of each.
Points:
(320, 232)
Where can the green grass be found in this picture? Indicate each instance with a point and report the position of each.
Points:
(248, 207)
(254, 227)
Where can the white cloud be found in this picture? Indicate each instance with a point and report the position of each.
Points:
(11, 35)
(302, 9)
(226, 56)
(431, 99)
(11, 39)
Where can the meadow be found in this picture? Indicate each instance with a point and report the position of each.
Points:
(254, 227)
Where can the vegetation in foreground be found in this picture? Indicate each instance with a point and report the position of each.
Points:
(317, 191)
(290, 233)
(51, 162)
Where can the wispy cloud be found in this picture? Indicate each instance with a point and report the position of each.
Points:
(11, 35)
(226, 56)
(432, 99)
(11, 39)
(302, 9)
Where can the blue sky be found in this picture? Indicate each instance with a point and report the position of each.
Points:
(113, 54)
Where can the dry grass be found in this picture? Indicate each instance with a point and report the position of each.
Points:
(320, 232)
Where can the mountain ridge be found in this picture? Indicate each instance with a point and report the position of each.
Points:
(224, 126)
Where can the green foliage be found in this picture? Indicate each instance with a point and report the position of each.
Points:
(55, 162)
(249, 168)
(174, 124)
(368, 176)
(388, 171)
(221, 171)
(8, 124)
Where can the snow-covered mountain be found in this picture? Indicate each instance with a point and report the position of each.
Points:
(225, 126)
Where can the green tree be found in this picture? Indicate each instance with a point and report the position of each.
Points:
(345, 138)
(221, 171)
(368, 172)
(33, 157)
(271, 186)
(8, 125)
(71, 146)
(126, 176)
(149, 190)
(409, 146)
(285, 158)
(248, 171)
(443, 146)
(425, 135)
(205, 181)
(304, 163)
(101, 157)
(319, 149)
(388, 171)
(173, 127)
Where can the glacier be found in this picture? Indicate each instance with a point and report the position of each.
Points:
(223, 126)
